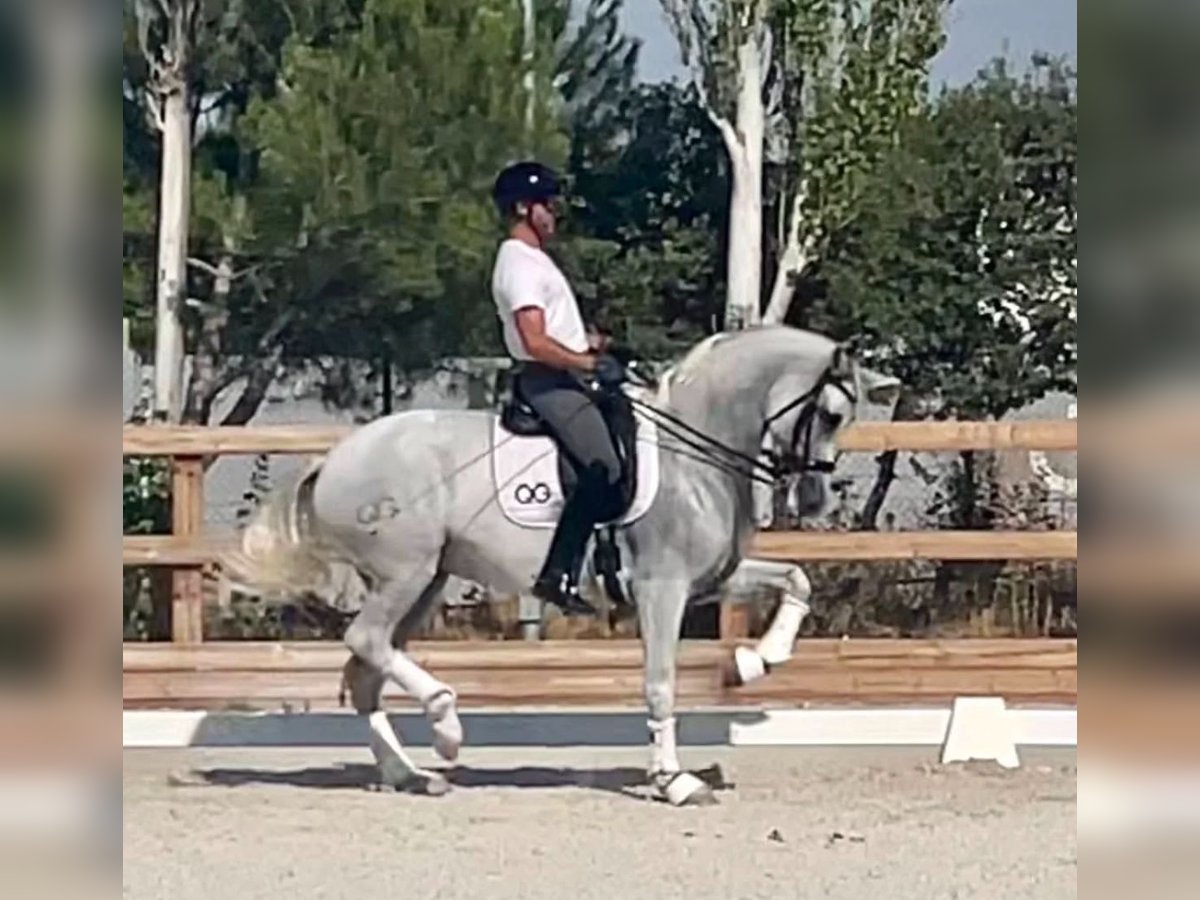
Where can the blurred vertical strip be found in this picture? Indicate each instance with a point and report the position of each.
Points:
(59, 376)
(1139, 818)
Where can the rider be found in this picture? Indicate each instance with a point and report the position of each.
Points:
(545, 334)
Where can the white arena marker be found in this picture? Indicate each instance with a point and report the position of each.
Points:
(161, 728)
(981, 728)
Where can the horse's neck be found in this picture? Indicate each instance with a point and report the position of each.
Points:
(727, 409)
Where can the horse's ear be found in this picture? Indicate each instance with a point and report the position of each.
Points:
(877, 387)
(842, 362)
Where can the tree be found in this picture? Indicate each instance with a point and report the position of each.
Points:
(825, 84)
(959, 275)
(379, 158)
(340, 183)
(596, 75)
(196, 64)
(166, 32)
(648, 187)
(650, 221)
(850, 75)
(729, 43)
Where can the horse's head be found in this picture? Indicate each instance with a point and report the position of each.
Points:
(807, 414)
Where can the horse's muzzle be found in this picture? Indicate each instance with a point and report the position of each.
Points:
(808, 495)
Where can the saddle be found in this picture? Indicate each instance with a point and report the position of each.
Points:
(519, 418)
(533, 477)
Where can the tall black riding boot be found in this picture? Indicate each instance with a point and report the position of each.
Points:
(558, 582)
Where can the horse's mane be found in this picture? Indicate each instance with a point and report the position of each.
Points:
(681, 370)
(692, 362)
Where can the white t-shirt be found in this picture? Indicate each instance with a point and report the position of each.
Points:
(525, 276)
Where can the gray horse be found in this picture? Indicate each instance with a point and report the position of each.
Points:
(414, 497)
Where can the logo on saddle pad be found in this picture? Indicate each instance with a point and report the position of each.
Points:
(528, 484)
(525, 493)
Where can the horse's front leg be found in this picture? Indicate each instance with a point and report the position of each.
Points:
(775, 646)
(660, 612)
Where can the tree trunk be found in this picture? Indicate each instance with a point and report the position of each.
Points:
(745, 146)
(387, 385)
(527, 60)
(175, 187)
(257, 384)
(206, 380)
(792, 262)
(869, 519)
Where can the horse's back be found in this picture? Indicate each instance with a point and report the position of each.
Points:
(398, 454)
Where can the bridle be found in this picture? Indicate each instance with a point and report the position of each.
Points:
(803, 463)
(781, 464)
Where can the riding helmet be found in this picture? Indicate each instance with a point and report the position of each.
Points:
(525, 182)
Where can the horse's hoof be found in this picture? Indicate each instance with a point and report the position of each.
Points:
(421, 782)
(747, 667)
(447, 727)
(685, 789)
(431, 784)
(448, 738)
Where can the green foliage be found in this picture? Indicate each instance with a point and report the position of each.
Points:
(595, 75)
(344, 160)
(146, 495)
(959, 272)
(643, 244)
(849, 74)
(378, 160)
(653, 299)
(346, 149)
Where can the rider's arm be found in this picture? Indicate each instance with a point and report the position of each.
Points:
(531, 325)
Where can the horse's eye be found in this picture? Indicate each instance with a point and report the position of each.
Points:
(834, 419)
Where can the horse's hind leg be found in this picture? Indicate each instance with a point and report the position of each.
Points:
(396, 768)
(775, 646)
(370, 638)
(660, 611)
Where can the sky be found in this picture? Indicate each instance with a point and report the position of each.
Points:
(978, 30)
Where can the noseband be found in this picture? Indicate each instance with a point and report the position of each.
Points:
(805, 422)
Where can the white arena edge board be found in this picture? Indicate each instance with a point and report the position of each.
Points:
(892, 727)
(1054, 727)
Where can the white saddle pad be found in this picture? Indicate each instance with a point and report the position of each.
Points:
(527, 485)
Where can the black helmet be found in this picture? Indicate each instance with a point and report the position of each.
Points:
(525, 182)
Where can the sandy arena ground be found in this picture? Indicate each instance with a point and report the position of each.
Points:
(575, 824)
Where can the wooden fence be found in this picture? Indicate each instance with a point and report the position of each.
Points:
(306, 675)
(190, 672)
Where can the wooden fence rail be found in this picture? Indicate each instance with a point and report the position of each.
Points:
(186, 551)
(866, 437)
(181, 550)
(608, 673)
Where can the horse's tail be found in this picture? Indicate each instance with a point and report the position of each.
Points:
(281, 555)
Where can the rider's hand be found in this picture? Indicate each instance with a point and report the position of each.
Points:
(608, 371)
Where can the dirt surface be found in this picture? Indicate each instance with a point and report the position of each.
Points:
(576, 823)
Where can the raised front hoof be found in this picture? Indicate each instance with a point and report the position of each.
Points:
(447, 727)
(684, 789)
(744, 668)
(448, 738)
(420, 782)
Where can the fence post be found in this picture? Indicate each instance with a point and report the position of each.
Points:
(187, 520)
(734, 622)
